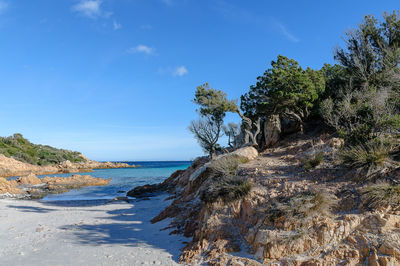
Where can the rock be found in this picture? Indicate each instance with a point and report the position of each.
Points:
(6, 187)
(29, 180)
(146, 191)
(12, 167)
(272, 130)
(338, 232)
(249, 152)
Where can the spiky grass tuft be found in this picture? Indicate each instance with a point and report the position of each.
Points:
(381, 195)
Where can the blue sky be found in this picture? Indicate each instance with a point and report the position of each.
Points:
(114, 79)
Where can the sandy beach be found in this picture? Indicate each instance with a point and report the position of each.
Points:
(86, 233)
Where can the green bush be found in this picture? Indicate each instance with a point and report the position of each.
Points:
(21, 149)
(314, 161)
(381, 195)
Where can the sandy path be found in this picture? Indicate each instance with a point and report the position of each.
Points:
(83, 233)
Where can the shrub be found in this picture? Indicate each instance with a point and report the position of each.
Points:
(224, 183)
(228, 189)
(301, 207)
(314, 161)
(371, 159)
(227, 165)
(21, 149)
(381, 195)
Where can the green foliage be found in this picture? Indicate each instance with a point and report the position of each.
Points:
(285, 87)
(372, 52)
(213, 102)
(314, 161)
(336, 78)
(213, 107)
(21, 149)
(361, 115)
(381, 195)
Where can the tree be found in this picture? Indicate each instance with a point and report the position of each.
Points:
(213, 102)
(232, 130)
(372, 52)
(207, 131)
(285, 89)
(213, 107)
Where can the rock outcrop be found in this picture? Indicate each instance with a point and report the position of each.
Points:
(290, 217)
(272, 130)
(33, 187)
(12, 167)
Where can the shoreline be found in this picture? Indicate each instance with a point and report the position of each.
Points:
(89, 232)
(10, 167)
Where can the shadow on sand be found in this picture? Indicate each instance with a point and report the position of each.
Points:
(31, 209)
(129, 226)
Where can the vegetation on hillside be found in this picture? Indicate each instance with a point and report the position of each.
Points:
(358, 99)
(23, 150)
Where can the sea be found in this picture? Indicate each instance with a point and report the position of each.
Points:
(123, 180)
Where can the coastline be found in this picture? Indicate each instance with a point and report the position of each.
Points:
(93, 232)
(10, 167)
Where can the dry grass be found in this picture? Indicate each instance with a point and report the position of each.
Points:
(300, 208)
(228, 189)
(227, 165)
(370, 160)
(224, 184)
(381, 195)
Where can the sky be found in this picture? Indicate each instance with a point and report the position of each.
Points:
(115, 79)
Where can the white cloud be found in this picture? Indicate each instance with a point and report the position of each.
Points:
(89, 8)
(180, 71)
(141, 49)
(3, 6)
(116, 25)
(285, 32)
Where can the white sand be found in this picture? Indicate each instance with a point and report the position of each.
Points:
(83, 233)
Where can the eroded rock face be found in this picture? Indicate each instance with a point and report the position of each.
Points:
(342, 234)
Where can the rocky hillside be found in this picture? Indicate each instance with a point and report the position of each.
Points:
(290, 205)
(23, 150)
(20, 157)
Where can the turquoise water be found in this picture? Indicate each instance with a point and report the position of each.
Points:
(123, 180)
